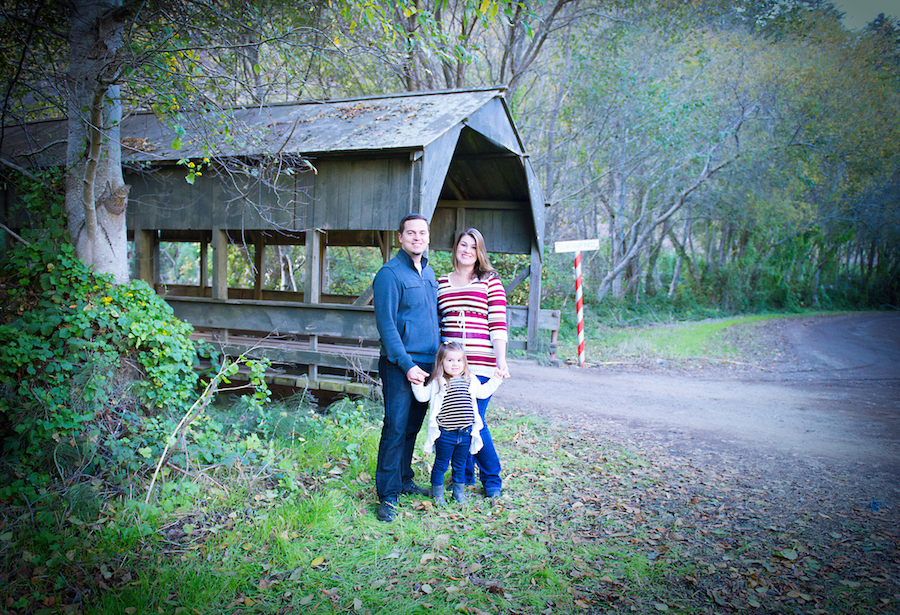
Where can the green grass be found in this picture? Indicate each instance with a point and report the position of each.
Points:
(685, 340)
(678, 341)
(267, 548)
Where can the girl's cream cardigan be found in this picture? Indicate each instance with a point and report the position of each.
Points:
(433, 393)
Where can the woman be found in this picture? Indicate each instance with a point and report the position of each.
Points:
(472, 309)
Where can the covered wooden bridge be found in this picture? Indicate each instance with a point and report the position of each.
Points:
(341, 173)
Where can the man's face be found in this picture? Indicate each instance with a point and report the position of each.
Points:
(414, 238)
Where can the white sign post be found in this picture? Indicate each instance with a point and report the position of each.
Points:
(586, 245)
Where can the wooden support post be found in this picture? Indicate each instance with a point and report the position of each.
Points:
(220, 264)
(313, 274)
(259, 262)
(313, 367)
(385, 244)
(534, 298)
(312, 286)
(323, 264)
(143, 256)
(220, 275)
(204, 266)
(157, 262)
(460, 223)
(365, 298)
(514, 283)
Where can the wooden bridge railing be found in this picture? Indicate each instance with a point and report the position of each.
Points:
(337, 344)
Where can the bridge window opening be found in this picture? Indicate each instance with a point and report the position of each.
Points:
(179, 263)
(350, 269)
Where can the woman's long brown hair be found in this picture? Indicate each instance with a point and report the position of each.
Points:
(483, 268)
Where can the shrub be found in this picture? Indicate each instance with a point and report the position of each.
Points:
(70, 337)
(85, 365)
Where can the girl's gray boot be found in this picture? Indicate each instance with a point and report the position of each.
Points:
(459, 492)
(437, 492)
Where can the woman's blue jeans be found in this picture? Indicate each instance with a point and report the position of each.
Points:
(403, 416)
(487, 459)
(451, 449)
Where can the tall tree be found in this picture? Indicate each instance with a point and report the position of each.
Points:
(96, 193)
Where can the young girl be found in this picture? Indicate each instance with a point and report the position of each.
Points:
(454, 424)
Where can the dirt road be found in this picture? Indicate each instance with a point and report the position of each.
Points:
(819, 395)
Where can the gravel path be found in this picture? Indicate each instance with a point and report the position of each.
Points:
(814, 401)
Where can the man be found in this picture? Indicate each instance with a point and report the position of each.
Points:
(406, 317)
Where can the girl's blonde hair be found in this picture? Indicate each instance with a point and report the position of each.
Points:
(483, 267)
(445, 347)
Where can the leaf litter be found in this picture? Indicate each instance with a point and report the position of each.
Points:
(734, 534)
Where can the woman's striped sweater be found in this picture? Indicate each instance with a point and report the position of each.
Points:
(474, 315)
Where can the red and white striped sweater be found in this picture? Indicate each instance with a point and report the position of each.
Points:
(474, 315)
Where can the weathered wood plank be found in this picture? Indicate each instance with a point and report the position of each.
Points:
(292, 356)
(435, 162)
(365, 298)
(534, 294)
(352, 322)
(494, 122)
(301, 381)
(359, 193)
(493, 205)
(538, 206)
(315, 248)
(520, 277)
(516, 316)
(505, 231)
(144, 248)
(179, 290)
(259, 263)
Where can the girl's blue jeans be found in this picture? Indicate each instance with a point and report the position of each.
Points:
(451, 449)
(486, 458)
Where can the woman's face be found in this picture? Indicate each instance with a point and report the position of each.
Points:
(466, 253)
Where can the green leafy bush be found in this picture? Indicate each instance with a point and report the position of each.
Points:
(85, 365)
(69, 337)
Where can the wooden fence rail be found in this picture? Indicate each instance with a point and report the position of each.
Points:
(336, 345)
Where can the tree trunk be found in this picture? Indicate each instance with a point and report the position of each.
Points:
(708, 248)
(96, 193)
(288, 282)
(560, 93)
(681, 248)
(725, 245)
(651, 279)
(617, 235)
(676, 275)
(870, 263)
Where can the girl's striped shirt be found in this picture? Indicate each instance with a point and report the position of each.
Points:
(456, 409)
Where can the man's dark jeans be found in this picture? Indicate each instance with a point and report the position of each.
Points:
(403, 416)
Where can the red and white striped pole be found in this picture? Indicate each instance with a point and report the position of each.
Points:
(579, 309)
(578, 246)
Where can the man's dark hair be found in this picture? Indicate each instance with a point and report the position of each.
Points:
(408, 217)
